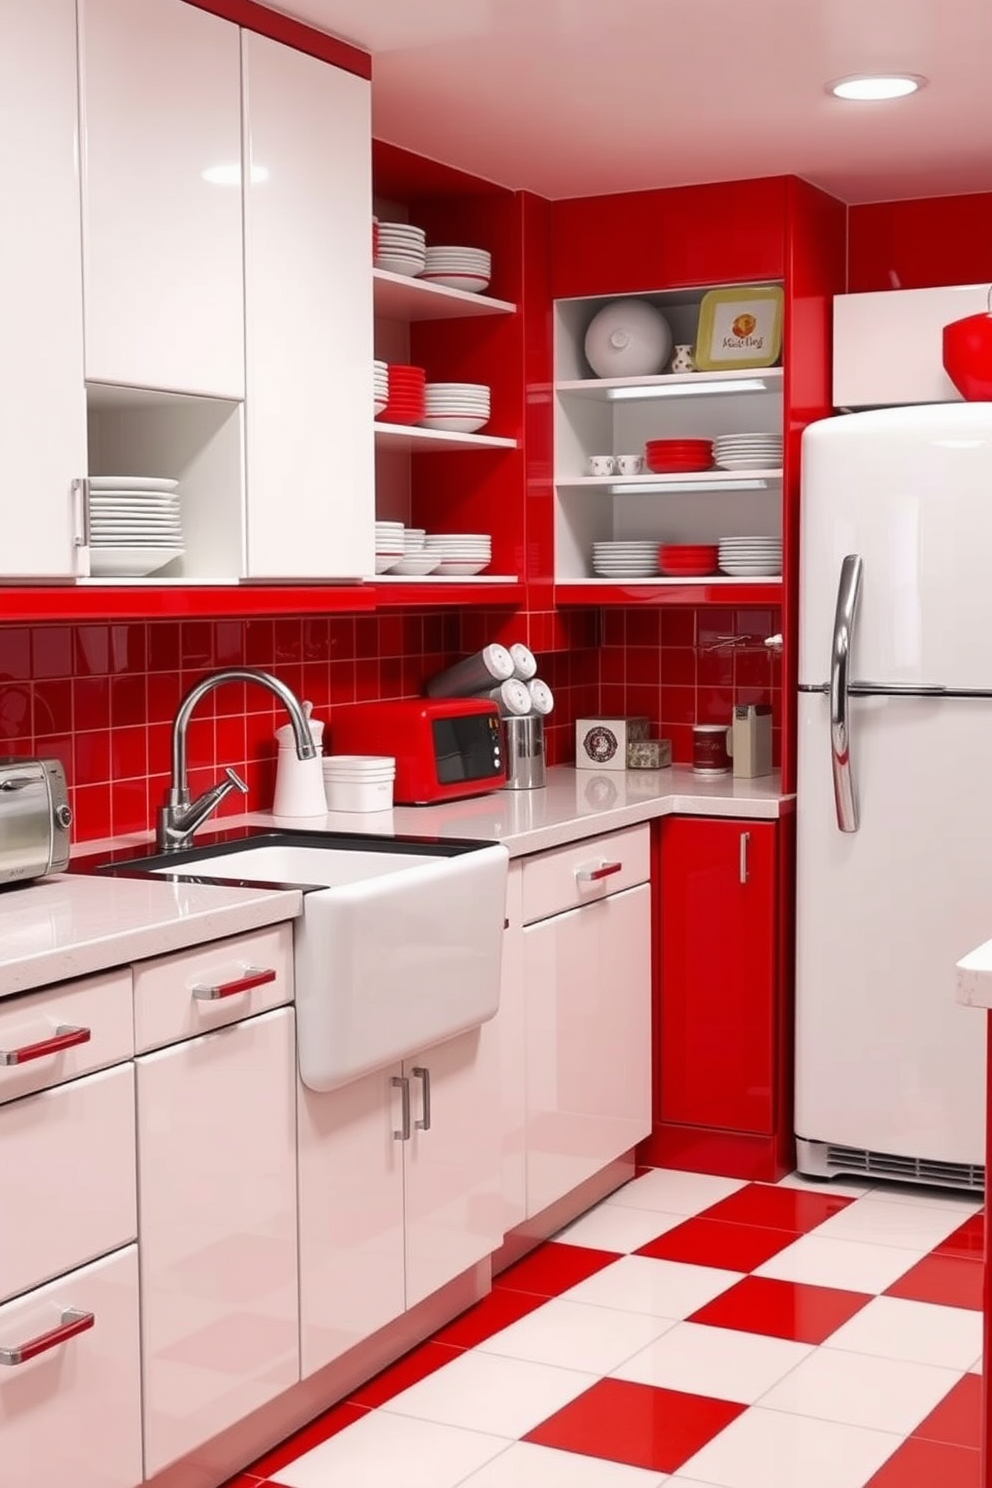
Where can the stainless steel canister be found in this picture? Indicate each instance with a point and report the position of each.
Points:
(525, 764)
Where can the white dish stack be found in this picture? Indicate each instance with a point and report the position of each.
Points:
(457, 267)
(460, 554)
(402, 248)
(135, 525)
(751, 557)
(416, 560)
(748, 451)
(388, 545)
(359, 782)
(625, 560)
(380, 386)
(458, 407)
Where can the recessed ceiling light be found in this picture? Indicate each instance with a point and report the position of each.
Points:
(866, 88)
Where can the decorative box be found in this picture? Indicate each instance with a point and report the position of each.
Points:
(649, 754)
(601, 743)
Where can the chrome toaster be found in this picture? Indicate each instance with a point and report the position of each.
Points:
(35, 818)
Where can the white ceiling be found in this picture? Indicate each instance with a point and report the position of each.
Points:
(577, 97)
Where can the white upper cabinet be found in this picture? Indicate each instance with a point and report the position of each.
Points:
(308, 292)
(42, 408)
(888, 344)
(161, 164)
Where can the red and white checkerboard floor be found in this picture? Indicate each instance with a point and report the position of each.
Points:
(691, 1331)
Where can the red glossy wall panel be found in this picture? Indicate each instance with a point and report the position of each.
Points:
(921, 243)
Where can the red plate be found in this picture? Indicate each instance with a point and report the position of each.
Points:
(677, 467)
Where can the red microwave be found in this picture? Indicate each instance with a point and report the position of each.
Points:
(445, 748)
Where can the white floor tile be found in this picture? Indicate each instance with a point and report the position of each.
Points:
(877, 1221)
(482, 1392)
(381, 1449)
(674, 1192)
(848, 1188)
(858, 1390)
(923, 1332)
(573, 1335)
(957, 1200)
(667, 1289)
(714, 1361)
(527, 1466)
(612, 1227)
(849, 1264)
(765, 1449)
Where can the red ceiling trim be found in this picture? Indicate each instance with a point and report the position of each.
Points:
(255, 17)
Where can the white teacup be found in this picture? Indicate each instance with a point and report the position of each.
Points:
(601, 465)
(629, 464)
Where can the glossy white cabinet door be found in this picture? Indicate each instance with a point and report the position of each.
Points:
(308, 292)
(71, 1415)
(454, 1161)
(351, 1214)
(217, 1223)
(42, 401)
(588, 1008)
(162, 244)
(509, 1029)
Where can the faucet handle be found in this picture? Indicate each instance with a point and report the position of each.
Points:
(236, 782)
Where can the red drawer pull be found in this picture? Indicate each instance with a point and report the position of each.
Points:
(73, 1322)
(255, 976)
(593, 875)
(64, 1037)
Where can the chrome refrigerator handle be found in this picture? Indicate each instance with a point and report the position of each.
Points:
(848, 594)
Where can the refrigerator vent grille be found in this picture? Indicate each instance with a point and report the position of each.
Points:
(912, 1169)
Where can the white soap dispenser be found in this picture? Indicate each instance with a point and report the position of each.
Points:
(299, 783)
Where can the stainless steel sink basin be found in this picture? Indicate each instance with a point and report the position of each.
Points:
(398, 947)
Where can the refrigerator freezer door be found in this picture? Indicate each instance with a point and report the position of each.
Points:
(886, 1060)
(910, 491)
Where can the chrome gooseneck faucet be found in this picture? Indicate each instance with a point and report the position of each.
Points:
(179, 818)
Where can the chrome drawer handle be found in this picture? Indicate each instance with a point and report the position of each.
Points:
(254, 976)
(593, 875)
(73, 1322)
(64, 1037)
(423, 1074)
(402, 1084)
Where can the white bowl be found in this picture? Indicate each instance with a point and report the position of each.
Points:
(415, 564)
(470, 283)
(407, 266)
(455, 568)
(628, 338)
(454, 425)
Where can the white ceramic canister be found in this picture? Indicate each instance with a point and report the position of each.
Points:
(299, 783)
(513, 698)
(542, 699)
(524, 661)
(476, 673)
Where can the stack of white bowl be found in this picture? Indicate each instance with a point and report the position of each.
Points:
(380, 385)
(460, 554)
(402, 248)
(359, 782)
(458, 267)
(459, 407)
(625, 560)
(748, 451)
(751, 557)
(416, 559)
(388, 545)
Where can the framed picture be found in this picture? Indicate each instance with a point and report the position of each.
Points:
(739, 328)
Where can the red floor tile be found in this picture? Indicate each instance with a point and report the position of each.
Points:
(325, 1426)
(711, 1242)
(957, 1420)
(501, 1308)
(636, 1424)
(943, 1279)
(244, 1480)
(775, 1208)
(925, 1464)
(414, 1366)
(781, 1309)
(552, 1268)
(967, 1242)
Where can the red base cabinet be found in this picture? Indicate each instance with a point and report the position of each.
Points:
(722, 1032)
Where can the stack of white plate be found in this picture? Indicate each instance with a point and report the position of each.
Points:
(458, 268)
(135, 525)
(380, 385)
(358, 782)
(460, 554)
(751, 557)
(748, 451)
(388, 545)
(625, 560)
(459, 407)
(416, 559)
(402, 248)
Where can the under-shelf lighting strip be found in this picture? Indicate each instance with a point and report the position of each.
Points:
(651, 488)
(689, 389)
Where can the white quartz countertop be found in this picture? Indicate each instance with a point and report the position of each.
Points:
(975, 977)
(73, 925)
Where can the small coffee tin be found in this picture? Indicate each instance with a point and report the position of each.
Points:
(649, 754)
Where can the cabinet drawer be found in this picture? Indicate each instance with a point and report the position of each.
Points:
(178, 997)
(90, 1022)
(585, 871)
(72, 1413)
(68, 1178)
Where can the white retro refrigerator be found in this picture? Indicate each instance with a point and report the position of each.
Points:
(894, 811)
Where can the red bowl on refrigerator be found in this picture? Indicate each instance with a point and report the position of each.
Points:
(968, 355)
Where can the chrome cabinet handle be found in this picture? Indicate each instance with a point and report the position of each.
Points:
(401, 1083)
(81, 513)
(73, 1322)
(593, 875)
(64, 1037)
(254, 976)
(848, 594)
(424, 1076)
(745, 842)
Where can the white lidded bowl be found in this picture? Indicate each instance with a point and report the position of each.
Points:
(628, 338)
